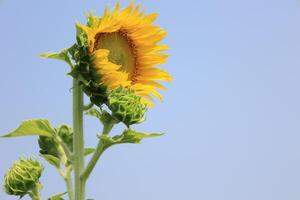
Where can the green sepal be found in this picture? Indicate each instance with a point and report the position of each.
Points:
(128, 136)
(58, 196)
(62, 55)
(52, 160)
(84, 71)
(80, 35)
(40, 127)
(76, 75)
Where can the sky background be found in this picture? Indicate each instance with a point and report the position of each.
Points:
(231, 115)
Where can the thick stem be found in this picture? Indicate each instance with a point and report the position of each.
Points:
(98, 152)
(78, 140)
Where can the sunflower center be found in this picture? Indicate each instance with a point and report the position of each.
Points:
(121, 49)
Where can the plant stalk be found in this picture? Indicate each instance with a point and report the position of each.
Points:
(92, 163)
(35, 194)
(65, 157)
(98, 152)
(78, 140)
(68, 181)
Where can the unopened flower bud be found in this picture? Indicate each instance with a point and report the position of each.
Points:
(22, 177)
(126, 106)
(49, 145)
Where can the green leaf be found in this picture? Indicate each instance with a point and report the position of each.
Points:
(88, 151)
(40, 127)
(132, 136)
(52, 160)
(94, 113)
(57, 196)
(128, 136)
(62, 55)
(104, 117)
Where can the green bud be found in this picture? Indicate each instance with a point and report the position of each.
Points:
(66, 134)
(22, 177)
(126, 106)
(49, 145)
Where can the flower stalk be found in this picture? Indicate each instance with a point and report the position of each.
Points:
(35, 193)
(69, 184)
(78, 140)
(98, 152)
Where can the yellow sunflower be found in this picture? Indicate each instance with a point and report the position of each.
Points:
(124, 46)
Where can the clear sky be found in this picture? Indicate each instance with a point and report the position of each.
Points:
(231, 115)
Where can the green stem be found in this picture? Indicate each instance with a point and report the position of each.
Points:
(67, 151)
(35, 193)
(64, 151)
(65, 158)
(92, 163)
(68, 181)
(98, 152)
(78, 140)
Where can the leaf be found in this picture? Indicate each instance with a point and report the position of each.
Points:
(40, 127)
(88, 151)
(62, 55)
(132, 136)
(128, 136)
(57, 196)
(94, 113)
(52, 160)
(104, 117)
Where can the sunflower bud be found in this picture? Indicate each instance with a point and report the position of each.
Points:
(22, 177)
(49, 145)
(126, 106)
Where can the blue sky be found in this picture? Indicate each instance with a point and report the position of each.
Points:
(231, 115)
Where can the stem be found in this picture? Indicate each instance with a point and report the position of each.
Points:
(78, 140)
(92, 163)
(64, 151)
(68, 181)
(35, 193)
(66, 158)
(98, 152)
(67, 151)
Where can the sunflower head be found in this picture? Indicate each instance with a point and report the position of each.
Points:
(126, 106)
(120, 49)
(22, 177)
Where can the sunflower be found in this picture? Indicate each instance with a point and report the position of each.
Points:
(124, 47)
